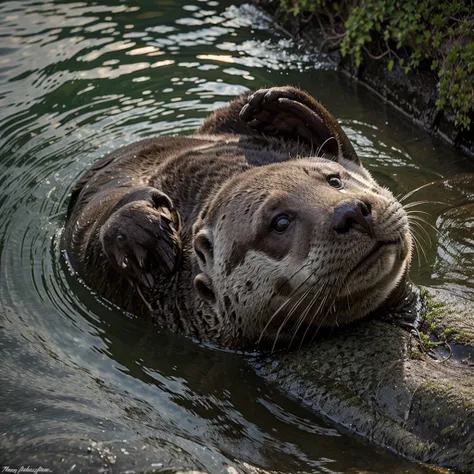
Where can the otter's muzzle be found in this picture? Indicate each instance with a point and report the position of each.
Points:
(353, 214)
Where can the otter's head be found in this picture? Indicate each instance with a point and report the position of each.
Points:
(289, 247)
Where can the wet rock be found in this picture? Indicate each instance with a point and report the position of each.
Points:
(380, 381)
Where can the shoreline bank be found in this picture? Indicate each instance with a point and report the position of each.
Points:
(414, 94)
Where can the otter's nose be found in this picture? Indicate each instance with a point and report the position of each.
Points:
(353, 214)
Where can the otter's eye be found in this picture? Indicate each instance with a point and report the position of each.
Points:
(281, 223)
(335, 181)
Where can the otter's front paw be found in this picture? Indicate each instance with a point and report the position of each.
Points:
(290, 112)
(142, 234)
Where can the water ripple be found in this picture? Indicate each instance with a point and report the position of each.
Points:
(79, 79)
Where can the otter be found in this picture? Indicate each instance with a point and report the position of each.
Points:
(261, 227)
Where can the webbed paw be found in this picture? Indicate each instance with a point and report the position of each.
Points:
(290, 112)
(142, 234)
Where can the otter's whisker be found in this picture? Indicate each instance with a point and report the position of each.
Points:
(320, 325)
(311, 322)
(322, 304)
(284, 304)
(324, 143)
(410, 193)
(409, 205)
(414, 222)
(417, 226)
(302, 318)
(415, 246)
(334, 311)
(290, 314)
(418, 247)
(137, 287)
(349, 293)
(293, 275)
(417, 211)
(420, 219)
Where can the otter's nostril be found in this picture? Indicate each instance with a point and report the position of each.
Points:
(365, 208)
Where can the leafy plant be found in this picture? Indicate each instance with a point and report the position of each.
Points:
(407, 33)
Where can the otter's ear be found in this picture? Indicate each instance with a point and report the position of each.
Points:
(203, 285)
(204, 248)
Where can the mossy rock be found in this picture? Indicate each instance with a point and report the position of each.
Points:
(448, 317)
(378, 380)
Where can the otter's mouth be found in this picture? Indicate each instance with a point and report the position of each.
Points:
(375, 253)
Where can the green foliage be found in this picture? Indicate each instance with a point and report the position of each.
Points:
(407, 33)
(426, 343)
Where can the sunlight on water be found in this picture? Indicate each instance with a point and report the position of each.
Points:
(84, 384)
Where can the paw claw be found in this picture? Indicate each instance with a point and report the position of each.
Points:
(246, 113)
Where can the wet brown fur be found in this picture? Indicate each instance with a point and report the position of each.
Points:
(196, 210)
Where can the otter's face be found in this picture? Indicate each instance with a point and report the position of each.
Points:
(298, 245)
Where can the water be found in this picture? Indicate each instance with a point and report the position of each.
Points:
(83, 386)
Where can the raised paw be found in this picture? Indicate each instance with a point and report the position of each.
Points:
(142, 234)
(294, 114)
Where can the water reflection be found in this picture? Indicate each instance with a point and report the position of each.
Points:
(84, 384)
(454, 262)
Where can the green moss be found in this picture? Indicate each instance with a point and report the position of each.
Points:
(433, 324)
(415, 355)
(464, 338)
(426, 342)
(447, 334)
(410, 34)
(432, 318)
(449, 429)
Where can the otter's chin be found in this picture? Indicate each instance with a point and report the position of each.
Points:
(375, 278)
(380, 267)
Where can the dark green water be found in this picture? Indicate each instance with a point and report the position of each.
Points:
(82, 386)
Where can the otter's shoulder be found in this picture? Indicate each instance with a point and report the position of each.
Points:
(257, 150)
(150, 152)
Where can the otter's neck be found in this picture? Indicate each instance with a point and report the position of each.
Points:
(188, 182)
